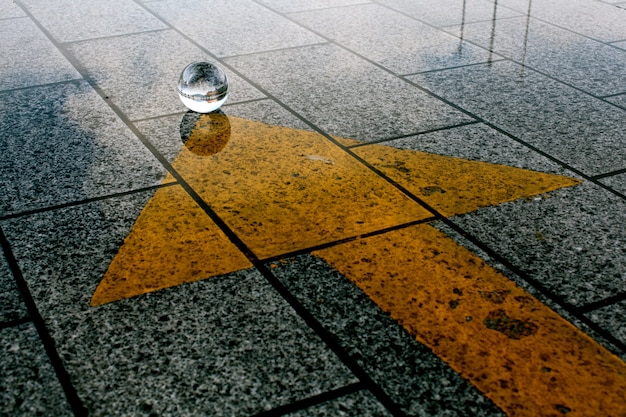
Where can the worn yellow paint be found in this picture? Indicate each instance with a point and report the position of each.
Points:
(172, 242)
(282, 190)
(457, 186)
(522, 355)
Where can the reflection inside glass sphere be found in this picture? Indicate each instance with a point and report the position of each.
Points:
(203, 87)
(205, 134)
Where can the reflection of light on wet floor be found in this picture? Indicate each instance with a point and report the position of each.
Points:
(282, 190)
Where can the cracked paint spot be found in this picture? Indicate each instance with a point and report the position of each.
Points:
(499, 321)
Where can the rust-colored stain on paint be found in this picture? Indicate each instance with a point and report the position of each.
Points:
(518, 352)
(282, 190)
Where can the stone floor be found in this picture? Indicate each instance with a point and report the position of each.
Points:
(404, 208)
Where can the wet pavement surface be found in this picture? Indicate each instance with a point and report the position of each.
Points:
(404, 208)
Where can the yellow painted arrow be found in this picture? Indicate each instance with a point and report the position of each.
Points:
(282, 190)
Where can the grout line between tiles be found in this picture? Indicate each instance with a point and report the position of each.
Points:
(85, 201)
(71, 395)
(312, 401)
(614, 299)
(14, 323)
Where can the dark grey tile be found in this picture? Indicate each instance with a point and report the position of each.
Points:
(28, 383)
(10, 10)
(570, 240)
(225, 346)
(63, 254)
(62, 143)
(611, 318)
(479, 142)
(68, 21)
(345, 95)
(287, 6)
(233, 28)
(11, 304)
(450, 12)
(413, 377)
(601, 21)
(617, 182)
(574, 59)
(397, 42)
(140, 72)
(29, 57)
(582, 131)
(359, 404)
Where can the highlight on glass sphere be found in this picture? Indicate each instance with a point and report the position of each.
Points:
(203, 87)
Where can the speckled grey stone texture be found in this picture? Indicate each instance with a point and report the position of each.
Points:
(359, 404)
(62, 143)
(611, 318)
(415, 379)
(28, 384)
(38, 63)
(570, 240)
(287, 6)
(68, 20)
(617, 182)
(10, 10)
(232, 28)
(620, 100)
(591, 18)
(11, 304)
(226, 346)
(345, 95)
(574, 59)
(397, 42)
(62, 278)
(580, 130)
(266, 111)
(621, 45)
(448, 12)
(139, 73)
(479, 142)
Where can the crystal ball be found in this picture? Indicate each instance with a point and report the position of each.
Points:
(203, 87)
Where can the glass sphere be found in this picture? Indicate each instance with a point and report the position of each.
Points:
(203, 87)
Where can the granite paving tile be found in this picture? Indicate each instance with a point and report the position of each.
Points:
(601, 21)
(479, 142)
(450, 12)
(410, 374)
(233, 28)
(68, 21)
(622, 44)
(590, 65)
(571, 240)
(395, 41)
(140, 72)
(63, 277)
(28, 383)
(359, 404)
(580, 130)
(287, 6)
(345, 95)
(11, 304)
(10, 10)
(225, 346)
(611, 318)
(38, 63)
(617, 182)
(620, 100)
(62, 143)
